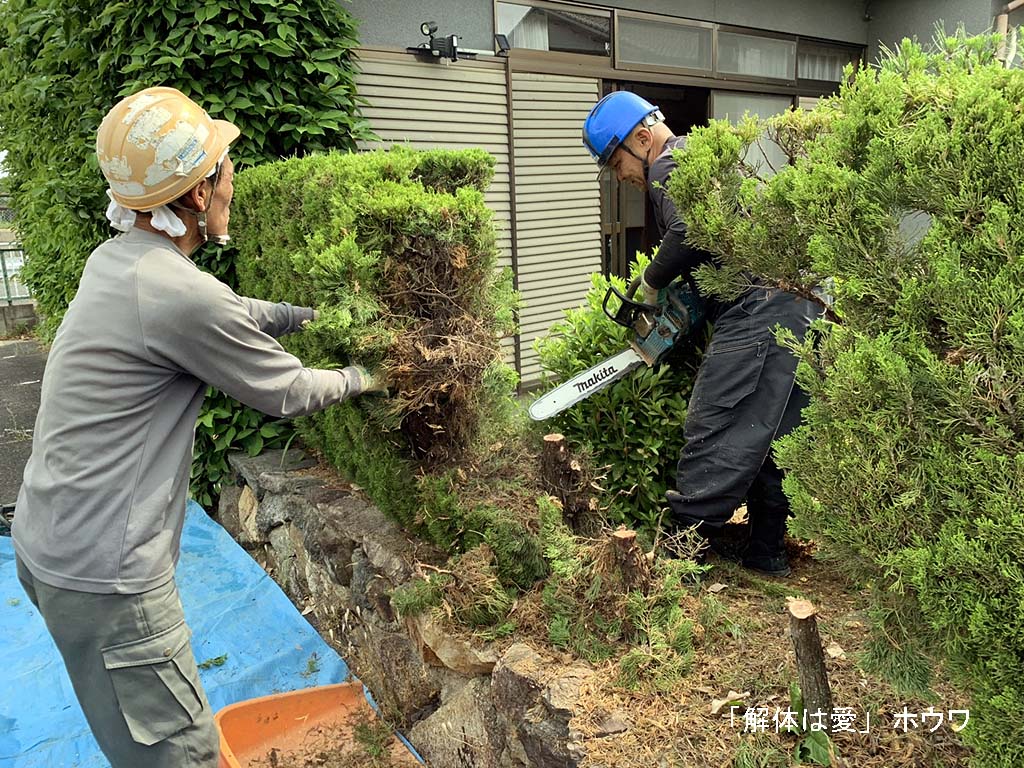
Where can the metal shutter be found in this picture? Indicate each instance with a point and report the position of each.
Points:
(429, 105)
(558, 209)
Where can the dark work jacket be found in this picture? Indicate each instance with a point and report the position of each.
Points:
(675, 257)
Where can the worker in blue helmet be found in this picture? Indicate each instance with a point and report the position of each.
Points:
(745, 395)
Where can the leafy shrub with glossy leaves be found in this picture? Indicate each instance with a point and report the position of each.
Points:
(632, 429)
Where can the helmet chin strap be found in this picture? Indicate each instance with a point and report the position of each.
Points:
(643, 160)
(207, 237)
(201, 215)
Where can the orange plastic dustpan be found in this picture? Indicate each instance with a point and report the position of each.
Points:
(249, 729)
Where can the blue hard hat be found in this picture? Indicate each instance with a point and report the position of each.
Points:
(612, 119)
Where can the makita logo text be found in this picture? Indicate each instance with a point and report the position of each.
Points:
(599, 376)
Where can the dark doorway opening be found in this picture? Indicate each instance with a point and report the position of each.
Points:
(627, 221)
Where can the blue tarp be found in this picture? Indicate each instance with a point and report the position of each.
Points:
(233, 608)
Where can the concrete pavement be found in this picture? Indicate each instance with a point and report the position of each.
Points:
(21, 370)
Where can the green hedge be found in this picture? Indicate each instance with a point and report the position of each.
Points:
(400, 260)
(910, 466)
(397, 251)
(283, 72)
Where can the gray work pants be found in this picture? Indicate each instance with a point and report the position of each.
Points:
(745, 396)
(131, 664)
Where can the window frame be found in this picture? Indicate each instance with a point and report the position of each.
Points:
(747, 32)
(825, 86)
(587, 10)
(629, 66)
(611, 67)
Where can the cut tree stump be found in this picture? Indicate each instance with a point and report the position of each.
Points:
(565, 479)
(630, 560)
(810, 660)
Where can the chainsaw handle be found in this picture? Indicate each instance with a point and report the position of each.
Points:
(624, 316)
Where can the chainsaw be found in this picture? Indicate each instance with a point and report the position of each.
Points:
(677, 316)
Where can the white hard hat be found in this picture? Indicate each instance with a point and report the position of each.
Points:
(155, 145)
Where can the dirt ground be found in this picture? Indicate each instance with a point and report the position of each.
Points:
(742, 646)
(743, 654)
(744, 661)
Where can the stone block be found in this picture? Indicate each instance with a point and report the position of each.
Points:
(272, 461)
(248, 504)
(283, 560)
(287, 482)
(330, 599)
(441, 647)
(289, 561)
(386, 545)
(537, 698)
(276, 510)
(371, 592)
(227, 509)
(389, 664)
(463, 732)
(333, 551)
(327, 543)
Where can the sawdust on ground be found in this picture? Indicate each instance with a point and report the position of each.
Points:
(745, 646)
(742, 644)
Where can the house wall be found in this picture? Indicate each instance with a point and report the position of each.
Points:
(832, 19)
(544, 194)
(893, 20)
(395, 23)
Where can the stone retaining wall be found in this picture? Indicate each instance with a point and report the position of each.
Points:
(338, 558)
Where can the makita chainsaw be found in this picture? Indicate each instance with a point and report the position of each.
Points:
(678, 315)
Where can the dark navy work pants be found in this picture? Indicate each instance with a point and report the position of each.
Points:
(744, 398)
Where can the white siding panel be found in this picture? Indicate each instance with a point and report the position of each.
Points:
(431, 106)
(558, 213)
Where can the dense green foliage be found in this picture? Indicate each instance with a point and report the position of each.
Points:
(399, 257)
(400, 261)
(907, 189)
(397, 251)
(633, 429)
(282, 71)
(225, 426)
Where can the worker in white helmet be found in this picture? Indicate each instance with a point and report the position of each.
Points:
(99, 516)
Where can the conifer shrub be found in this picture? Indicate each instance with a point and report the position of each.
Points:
(400, 261)
(599, 611)
(633, 429)
(906, 189)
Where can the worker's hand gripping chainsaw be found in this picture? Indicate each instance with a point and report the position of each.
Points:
(678, 315)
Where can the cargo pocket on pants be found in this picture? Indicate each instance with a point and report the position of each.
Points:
(732, 372)
(157, 684)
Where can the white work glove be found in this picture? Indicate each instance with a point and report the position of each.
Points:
(370, 383)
